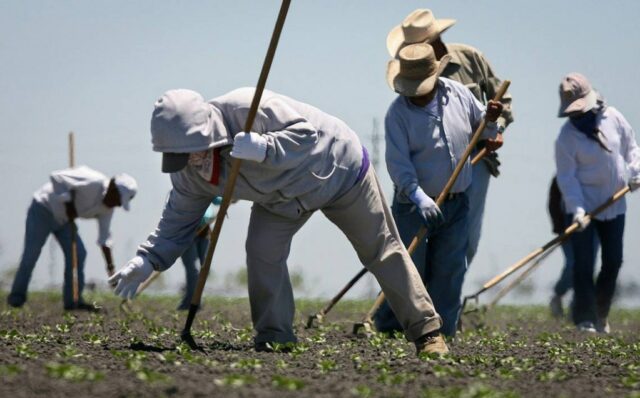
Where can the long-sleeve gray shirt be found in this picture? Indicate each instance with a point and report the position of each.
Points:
(424, 144)
(312, 158)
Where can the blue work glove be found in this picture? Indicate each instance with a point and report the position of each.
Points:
(427, 208)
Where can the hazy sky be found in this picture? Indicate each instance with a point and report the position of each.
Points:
(97, 67)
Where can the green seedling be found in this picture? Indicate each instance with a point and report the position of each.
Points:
(10, 370)
(327, 365)
(361, 391)
(287, 383)
(23, 350)
(72, 372)
(235, 380)
(247, 364)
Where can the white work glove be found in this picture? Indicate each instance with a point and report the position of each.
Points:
(581, 218)
(634, 183)
(427, 208)
(250, 146)
(129, 277)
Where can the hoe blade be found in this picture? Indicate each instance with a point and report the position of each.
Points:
(362, 328)
(314, 320)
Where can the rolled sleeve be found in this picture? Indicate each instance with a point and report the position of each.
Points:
(104, 229)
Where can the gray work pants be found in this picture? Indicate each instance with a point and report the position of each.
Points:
(364, 217)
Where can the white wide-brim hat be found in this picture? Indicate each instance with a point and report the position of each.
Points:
(415, 71)
(576, 95)
(127, 188)
(420, 26)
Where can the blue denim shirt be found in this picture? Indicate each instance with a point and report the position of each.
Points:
(424, 144)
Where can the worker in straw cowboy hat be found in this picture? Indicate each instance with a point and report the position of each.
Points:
(427, 129)
(297, 161)
(79, 192)
(596, 155)
(470, 67)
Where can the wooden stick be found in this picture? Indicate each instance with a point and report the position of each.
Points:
(74, 231)
(559, 239)
(231, 181)
(524, 275)
(422, 233)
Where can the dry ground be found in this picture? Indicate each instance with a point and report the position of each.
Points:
(46, 352)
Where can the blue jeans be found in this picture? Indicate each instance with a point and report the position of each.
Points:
(593, 300)
(477, 194)
(440, 260)
(40, 223)
(197, 251)
(565, 283)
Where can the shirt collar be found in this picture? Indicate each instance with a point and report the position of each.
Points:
(455, 58)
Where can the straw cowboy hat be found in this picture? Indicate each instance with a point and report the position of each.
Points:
(418, 27)
(416, 70)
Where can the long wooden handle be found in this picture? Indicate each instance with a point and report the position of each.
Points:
(344, 291)
(74, 229)
(528, 271)
(422, 232)
(558, 239)
(235, 167)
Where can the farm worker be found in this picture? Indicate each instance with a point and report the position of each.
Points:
(297, 160)
(427, 129)
(197, 251)
(79, 192)
(470, 67)
(560, 221)
(596, 155)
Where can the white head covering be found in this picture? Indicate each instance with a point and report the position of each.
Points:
(127, 187)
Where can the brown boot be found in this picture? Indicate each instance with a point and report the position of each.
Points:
(431, 343)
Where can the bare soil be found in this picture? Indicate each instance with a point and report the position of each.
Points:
(521, 352)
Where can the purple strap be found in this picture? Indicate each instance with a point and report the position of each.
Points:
(365, 165)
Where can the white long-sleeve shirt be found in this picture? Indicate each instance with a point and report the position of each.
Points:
(425, 144)
(89, 186)
(588, 175)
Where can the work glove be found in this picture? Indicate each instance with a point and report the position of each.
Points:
(137, 270)
(581, 218)
(634, 183)
(427, 208)
(251, 146)
(494, 110)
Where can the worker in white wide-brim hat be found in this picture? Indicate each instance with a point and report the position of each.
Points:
(297, 161)
(427, 130)
(469, 66)
(79, 192)
(596, 156)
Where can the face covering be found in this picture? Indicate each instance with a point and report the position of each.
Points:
(587, 123)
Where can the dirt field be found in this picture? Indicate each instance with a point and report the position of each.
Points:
(524, 353)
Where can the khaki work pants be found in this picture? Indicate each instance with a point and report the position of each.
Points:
(364, 217)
